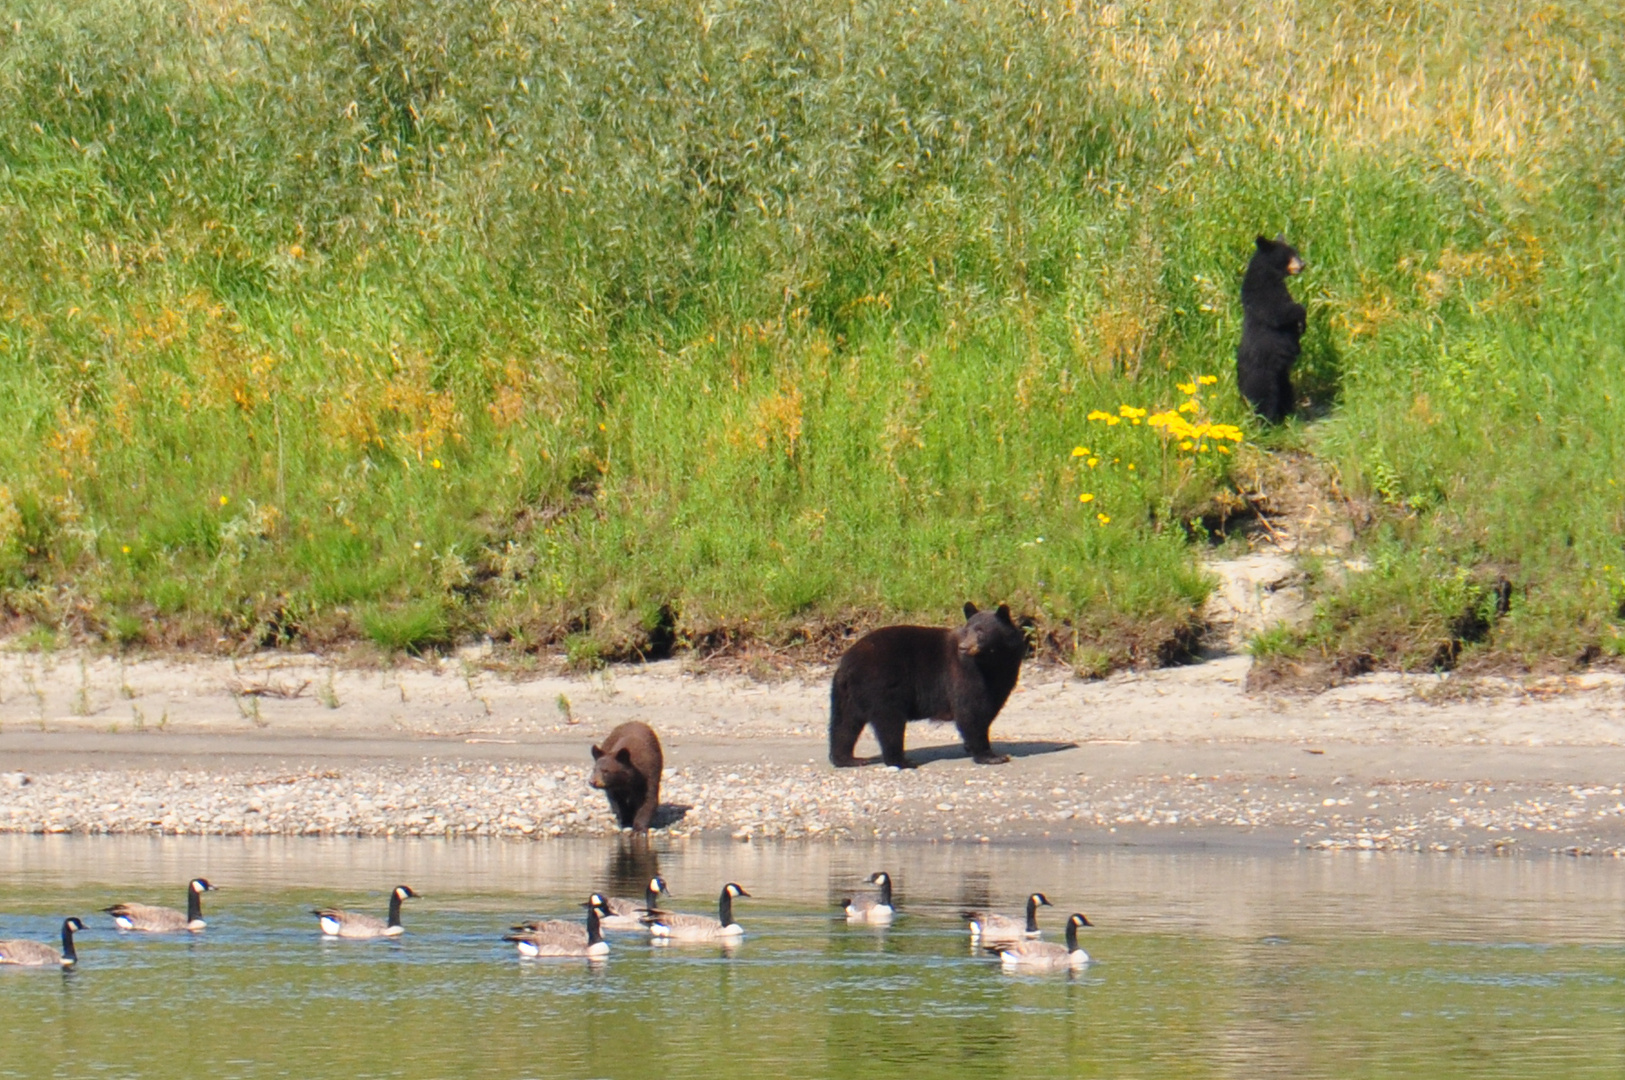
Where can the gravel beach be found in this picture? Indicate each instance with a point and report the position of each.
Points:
(1182, 756)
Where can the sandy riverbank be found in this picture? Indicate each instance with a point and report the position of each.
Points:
(289, 745)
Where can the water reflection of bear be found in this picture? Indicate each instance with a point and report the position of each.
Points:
(632, 862)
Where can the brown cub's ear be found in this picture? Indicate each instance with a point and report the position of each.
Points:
(970, 609)
(624, 756)
(1004, 613)
(597, 752)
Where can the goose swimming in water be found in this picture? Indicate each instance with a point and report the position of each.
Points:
(871, 909)
(590, 945)
(337, 922)
(675, 926)
(624, 914)
(26, 953)
(991, 928)
(1046, 955)
(164, 920)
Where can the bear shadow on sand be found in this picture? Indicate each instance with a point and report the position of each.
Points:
(922, 755)
(668, 814)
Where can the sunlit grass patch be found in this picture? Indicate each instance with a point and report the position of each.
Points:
(321, 320)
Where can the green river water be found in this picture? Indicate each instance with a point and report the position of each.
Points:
(1207, 965)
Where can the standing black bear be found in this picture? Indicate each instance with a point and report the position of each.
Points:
(902, 673)
(1271, 324)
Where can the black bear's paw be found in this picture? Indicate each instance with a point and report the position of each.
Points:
(846, 762)
(901, 763)
(990, 758)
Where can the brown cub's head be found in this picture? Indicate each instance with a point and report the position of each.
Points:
(611, 770)
(991, 633)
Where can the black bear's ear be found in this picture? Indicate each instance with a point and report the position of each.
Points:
(970, 609)
(597, 752)
(1280, 238)
(1264, 243)
(1004, 613)
(624, 756)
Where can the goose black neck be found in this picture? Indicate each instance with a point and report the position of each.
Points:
(885, 891)
(1071, 936)
(394, 909)
(68, 953)
(594, 932)
(1032, 915)
(194, 905)
(725, 908)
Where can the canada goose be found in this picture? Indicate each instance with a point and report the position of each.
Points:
(35, 954)
(991, 928)
(590, 945)
(624, 914)
(350, 924)
(871, 909)
(562, 929)
(673, 926)
(163, 920)
(1046, 955)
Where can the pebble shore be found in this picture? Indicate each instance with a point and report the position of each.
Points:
(526, 802)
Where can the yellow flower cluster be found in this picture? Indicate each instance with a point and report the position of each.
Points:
(1191, 435)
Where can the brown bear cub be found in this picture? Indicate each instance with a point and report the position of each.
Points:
(902, 673)
(627, 769)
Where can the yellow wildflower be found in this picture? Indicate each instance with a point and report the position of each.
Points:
(1207, 380)
(1129, 412)
(1086, 497)
(1186, 387)
(435, 463)
(1185, 444)
(1189, 406)
(1096, 414)
(1103, 519)
(224, 500)
(1093, 462)
(126, 549)
(1131, 466)
(1079, 451)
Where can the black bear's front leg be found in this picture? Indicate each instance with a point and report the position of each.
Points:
(978, 746)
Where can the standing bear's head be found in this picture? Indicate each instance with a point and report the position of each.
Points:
(991, 637)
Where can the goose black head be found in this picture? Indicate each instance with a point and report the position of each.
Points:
(1079, 919)
(404, 892)
(72, 925)
(733, 890)
(880, 877)
(200, 885)
(1039, 898)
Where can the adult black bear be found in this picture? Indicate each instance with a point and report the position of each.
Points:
(902, 673)
(1271, 324)
(627, 769)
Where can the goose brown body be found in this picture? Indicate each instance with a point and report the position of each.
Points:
(678, 926)
(1046, 955)
(152, 919)
(991, 928)
(336, 922)
(25, 953)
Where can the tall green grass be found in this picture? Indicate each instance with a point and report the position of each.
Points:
(625, 322)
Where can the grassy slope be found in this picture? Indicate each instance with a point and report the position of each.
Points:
(422, 319)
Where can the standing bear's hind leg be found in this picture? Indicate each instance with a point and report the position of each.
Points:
(844, 730)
